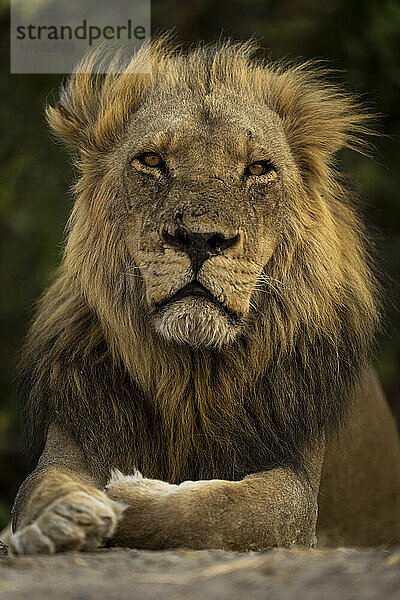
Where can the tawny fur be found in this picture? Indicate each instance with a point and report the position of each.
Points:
(132, 398)
(187, 392)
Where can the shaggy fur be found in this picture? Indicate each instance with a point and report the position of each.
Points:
(95, 362)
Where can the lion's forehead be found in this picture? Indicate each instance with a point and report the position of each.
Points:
(215, 126)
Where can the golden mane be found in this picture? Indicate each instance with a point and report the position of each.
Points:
(197, 413)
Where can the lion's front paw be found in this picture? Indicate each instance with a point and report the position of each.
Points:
(130, 489)
(77, 521)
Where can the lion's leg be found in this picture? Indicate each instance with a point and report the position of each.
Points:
(275, 508)
(59, 507)
(360, 489)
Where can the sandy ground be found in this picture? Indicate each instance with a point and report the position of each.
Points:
(122, 574)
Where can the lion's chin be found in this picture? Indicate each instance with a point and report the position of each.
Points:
(195, 322)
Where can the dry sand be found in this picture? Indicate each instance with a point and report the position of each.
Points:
(122, 574)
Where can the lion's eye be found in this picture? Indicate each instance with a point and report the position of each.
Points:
(151, 159)
(261, 167)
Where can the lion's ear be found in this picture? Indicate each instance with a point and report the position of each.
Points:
(64, 124)
(101, 94)
(93, 109)
(319, 118)
(75, 115)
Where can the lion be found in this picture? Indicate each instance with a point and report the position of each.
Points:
(199, 373)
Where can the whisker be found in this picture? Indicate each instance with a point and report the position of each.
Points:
(263, 291)
(268, 279)
(255, 308)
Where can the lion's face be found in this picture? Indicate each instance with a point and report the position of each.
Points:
(206, 185)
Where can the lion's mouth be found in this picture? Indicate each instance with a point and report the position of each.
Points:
(197, 289)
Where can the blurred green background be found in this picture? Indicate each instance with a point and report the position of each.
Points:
(359, 38)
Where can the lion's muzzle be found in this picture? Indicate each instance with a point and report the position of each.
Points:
(199, 246)
(198, 290)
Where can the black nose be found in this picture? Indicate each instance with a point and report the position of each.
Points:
(199, 246)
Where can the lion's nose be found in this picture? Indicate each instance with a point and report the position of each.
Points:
(199, 246)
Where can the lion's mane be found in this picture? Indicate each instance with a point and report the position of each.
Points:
(93, 364)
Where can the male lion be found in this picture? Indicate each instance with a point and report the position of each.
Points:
(211, 323)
